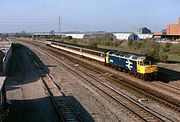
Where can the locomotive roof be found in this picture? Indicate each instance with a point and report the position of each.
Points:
(127, 55)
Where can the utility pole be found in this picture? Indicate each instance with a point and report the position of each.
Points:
(59, 28)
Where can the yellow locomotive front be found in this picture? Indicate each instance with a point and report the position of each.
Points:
(147, 66)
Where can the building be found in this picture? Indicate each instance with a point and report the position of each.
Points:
(56, 35)
(126, 36)
(145, 36)
(173, 29)
(158, 35)
(75, 36)
(119, 36)
(143, 30)
(172, 32)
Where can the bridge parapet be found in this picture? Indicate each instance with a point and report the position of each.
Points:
(5, 55)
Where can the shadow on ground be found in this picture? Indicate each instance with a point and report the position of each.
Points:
(173, 62)
(164, 73)
(37, 110)
(22, 71)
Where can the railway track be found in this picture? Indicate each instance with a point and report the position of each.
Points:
(168, 88)
(63, 107)
(168, 101)
(129, 105)
(171, 86)
(144, 90)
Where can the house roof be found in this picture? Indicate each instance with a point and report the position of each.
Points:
(123, 36)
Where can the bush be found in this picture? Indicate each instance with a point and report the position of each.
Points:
(130, 42)
(163, 57)
(116, 43)
(137, 45)
(175, 49)
(154, 49)
(167, 46)
(74, 41)
(150, 48)
(106, 39)
(105, 42)
(93, 43)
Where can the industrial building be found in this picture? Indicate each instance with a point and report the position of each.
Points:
(126, 36)
(172, 32)
(56, 35)
(173, 29)
(75, 36)
(143, 30)
(119, 36)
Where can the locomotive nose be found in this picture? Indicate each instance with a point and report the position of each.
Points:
(151, 69)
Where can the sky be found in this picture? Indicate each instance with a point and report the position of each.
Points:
(87, 15)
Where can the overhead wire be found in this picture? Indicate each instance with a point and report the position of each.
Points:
(26, 23)
(21, 23)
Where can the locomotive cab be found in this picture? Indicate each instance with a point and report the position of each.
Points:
(147, 65)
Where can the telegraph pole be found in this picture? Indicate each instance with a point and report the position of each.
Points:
(59, 28)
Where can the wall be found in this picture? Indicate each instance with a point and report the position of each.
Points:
(6, 60)
(173, 29)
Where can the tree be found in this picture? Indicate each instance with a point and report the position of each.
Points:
(162, 57)
(106, 39)
(151, 48)
(167, 47)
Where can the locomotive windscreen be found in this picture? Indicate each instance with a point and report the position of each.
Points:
(149, 61)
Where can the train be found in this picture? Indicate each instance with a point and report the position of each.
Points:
(141, 66)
